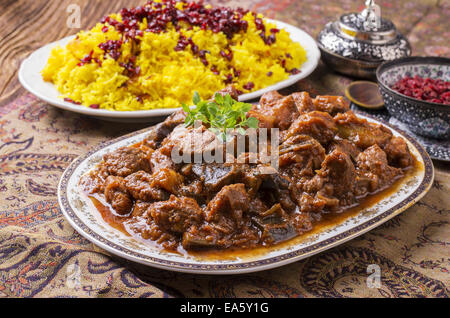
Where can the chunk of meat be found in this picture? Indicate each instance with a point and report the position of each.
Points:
(253, 176)
(191, 144)
(277, 114)
(125, 161)
(331, 104)
(148, 229)
(326, 165)
(302, 222)
(265, 118)
(303, 102)
(269, 98)
(334, 183)
(284, 111)
(300, 157)
(167, 179)
(200, 238)
(374, 171)
(313, 203)
(117, 195)
(225, 223)
(140, 209)
(232, 201)
(160, 159)
(257, 206)
(361, 132)
(339, 171)
(301, 149)
(176, 214)
(220, 235)
(148, 151)
(194, 190)
(141, 185)
(345, 146)
(398, 153)
(318, 125)
(231, 90)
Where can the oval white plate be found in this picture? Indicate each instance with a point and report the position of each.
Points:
(31, 79)
(81, 214)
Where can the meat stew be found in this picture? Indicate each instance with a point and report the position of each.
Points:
(330, 160)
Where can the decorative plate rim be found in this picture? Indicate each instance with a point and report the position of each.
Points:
(248, 266)
(306, 69)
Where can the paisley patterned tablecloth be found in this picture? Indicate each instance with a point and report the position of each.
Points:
(41, 255)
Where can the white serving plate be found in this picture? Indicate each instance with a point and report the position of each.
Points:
(79, 211)
(31, 79)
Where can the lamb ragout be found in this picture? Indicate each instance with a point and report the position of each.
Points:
(329, 160)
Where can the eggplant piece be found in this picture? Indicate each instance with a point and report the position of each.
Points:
(279, 191)
(274, 225)
(281, 232)
(275, 182)
(215, 176)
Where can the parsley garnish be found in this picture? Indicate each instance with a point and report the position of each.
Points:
(220, 115)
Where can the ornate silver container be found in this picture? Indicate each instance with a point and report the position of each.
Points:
(358, 43)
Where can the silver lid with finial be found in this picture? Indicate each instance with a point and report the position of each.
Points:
(358, 42)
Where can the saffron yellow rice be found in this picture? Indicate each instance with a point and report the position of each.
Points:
(168, 77)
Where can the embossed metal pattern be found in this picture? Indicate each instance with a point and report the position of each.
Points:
(331, 40)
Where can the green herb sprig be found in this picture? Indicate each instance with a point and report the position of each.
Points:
(222, 114)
